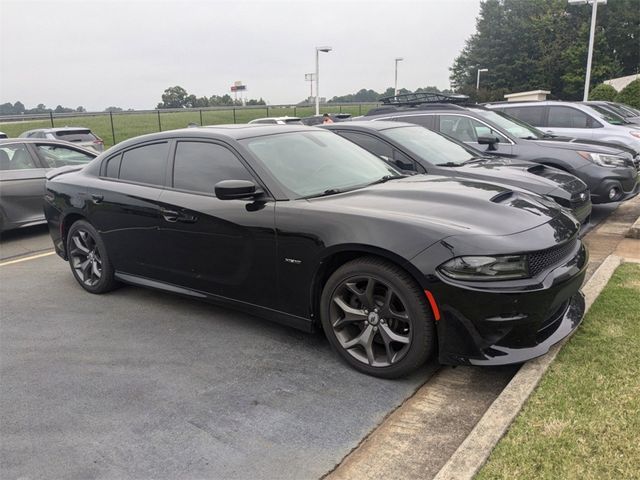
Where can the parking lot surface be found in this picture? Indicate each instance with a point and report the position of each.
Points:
(140, 384)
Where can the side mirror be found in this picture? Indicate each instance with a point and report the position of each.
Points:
(236, 189)
(491, 141)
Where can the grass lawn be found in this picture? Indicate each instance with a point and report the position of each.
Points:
(583, 420)
(131, 124)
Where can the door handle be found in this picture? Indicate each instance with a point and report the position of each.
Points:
(97, 198)
(169, 215)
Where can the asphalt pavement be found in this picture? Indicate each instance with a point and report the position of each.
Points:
(142, 384)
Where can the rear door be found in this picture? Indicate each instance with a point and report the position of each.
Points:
(123, 204)
(222, 247)
(21, 185)
(570, 122)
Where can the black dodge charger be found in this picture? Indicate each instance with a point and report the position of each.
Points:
(304, 227)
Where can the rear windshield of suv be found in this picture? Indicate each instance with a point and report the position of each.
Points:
(82, 135)
(609, 116)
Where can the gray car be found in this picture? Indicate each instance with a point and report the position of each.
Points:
(610, 173)
(23, 165)
(81, 136)
(577, 120)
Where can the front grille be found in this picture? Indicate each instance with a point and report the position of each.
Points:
(539, 261)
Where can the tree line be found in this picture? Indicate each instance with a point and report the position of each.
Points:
(368, 95)
(18, 108)
(542, 44)
(178, 97)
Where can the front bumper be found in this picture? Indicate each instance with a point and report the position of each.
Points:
(511, 321)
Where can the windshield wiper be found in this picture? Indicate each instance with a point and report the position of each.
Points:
(330, 191)
(386, 178)
(448, 164)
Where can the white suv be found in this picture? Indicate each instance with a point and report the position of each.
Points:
(82, 137)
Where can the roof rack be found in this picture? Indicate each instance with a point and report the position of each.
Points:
(406, 99)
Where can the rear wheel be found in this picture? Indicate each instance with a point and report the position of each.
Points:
(88, 258)
(376, 317)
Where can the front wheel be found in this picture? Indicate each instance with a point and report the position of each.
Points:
(88, 258)
(376, 317)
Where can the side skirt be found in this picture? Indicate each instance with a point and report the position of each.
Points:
(301, 323)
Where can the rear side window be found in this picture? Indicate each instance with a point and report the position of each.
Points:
(565, 117)
(199, 166)
(427, 121)
(370, 143)
(75, 135)
(15, 157)
(531, 115)
(113, 166)
(145, 164)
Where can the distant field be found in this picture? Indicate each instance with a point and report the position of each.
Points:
(131, 124)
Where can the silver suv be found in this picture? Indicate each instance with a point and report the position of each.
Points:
(82, 137)
(589, 122)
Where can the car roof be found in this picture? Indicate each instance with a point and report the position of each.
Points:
(46, 141)
(365, 125)
(221, 132)
(58, 129)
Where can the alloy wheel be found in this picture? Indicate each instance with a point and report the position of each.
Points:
(85, 258)
(371, 321)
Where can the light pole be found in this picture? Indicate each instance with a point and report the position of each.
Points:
(592, 31)
(309, 77)
(318, 50)
(478, 80)
(395, 88)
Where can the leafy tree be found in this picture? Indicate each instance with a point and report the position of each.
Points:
(61, 109)
(174, 97)
(603, 92)
(113, 109)
(81, 109)
(630, 94)
(534, 44)
(6, 109)
(18, 107)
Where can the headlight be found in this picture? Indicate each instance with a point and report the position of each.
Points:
(604, 160)
(503, 267)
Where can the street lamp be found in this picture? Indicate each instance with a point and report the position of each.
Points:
(310, 77)
(318, 50)
(395, 88)
(478, 80)
(594, 12)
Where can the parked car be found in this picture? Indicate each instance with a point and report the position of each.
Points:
(23, 165)
(575, 120)
(610, 173)
(3, 135)
(415, 149)
(277, 121)
(83, 137)
(625, 111)
(301, 226)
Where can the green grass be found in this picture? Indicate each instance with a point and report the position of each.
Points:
(583, 420)
(128, 124)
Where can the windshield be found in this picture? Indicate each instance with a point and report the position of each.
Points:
(307, 164)
(608, 115)
(512, 125)
(432, 147)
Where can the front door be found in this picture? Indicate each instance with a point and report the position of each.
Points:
(222, 247)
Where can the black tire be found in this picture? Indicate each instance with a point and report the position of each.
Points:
(379, 333)
(88, 258)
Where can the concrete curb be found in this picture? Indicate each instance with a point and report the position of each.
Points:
(634, 231)
(476, 448)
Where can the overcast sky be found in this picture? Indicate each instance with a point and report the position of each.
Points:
(125, 53)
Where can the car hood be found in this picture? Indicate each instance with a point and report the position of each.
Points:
(532, 176)
(458, 206)
(575, 144)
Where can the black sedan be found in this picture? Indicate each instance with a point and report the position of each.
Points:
(415, 149)
(301, 226)
(23, 165)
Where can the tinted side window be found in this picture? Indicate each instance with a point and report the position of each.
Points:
(113, 166)
(369, 143)
(427, 121)
(199, 166)
(145, 164)
(531, 115)
(565, 117)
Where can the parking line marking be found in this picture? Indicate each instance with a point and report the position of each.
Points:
(32, 257)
